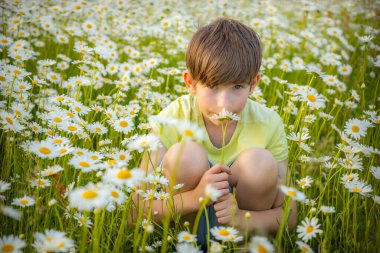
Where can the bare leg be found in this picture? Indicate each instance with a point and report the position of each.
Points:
(255, 177)
(188, 161)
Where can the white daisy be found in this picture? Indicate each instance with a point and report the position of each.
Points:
(327, 209)
(304, 248)
(225, 115)
(185, 236)
(305, 182)
(187, 248)
(309, 229)
(52, 170)
(89, 197)
(52, 241)
(123, 177)
(85, 163)
(212, 193)
(148, 142)
(10, 212)
(293, 193)
(83, 220)
(375, 171)
(260, 244)
(4, 186)
(359, 186)
(356, 128)
(225, 234)
(298, 137)
(24, 201)
(40, 182)
(11, 244)
(190, 131)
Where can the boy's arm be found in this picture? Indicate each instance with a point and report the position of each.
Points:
(270, 220)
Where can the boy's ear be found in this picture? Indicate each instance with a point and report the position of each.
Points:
(254, 83)
(189, 81)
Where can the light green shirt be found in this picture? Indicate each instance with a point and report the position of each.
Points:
(258, 127)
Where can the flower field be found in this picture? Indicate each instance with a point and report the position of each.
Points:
(81, 81)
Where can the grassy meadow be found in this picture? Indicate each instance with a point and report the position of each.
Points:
(81, 80)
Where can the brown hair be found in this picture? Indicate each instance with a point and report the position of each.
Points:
(224, 52)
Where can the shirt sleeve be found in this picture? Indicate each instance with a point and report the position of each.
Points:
(278, 144)
(165, 127)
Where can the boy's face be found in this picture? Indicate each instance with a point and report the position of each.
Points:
(232, 97)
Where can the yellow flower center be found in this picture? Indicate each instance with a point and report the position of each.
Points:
(123, 123)
(186, 237)
(84, 164)
(40, 182)
(111, 162)
(311, 97)
(57, 119)
(124, 174)
(261, 249)
(62, 150)
(309, 229)
(224, 232)
(304, 249)
(72, 128)
(115, 194)
(24, 202)
(122, 157)
(58, 141)
(292, 193)
(355, 129)
(45, 150)
(49, 172)
(89, 194)
(9, 120)
(356, 189)
(189, 133)
(98, 129)
(2, 78)
(302, 183)
(94, 157)
(7, 248)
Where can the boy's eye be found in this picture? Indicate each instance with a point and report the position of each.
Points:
(238, 87)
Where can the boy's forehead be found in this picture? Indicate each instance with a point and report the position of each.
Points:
(227, 84)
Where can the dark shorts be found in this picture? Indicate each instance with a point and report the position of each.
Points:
(213, 221)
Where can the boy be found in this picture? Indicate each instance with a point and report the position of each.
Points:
(223, 61)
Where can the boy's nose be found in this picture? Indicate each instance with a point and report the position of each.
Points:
(223, 101)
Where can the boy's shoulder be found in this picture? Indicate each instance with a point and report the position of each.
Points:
(179, 107)
(255, 112)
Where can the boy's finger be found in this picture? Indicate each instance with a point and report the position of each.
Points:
(220, 177)
(218, 168)
(220, 185)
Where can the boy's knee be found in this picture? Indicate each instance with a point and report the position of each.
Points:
(188, 160)
(260, 167)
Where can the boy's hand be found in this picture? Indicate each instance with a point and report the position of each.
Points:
(226, 210)
(217, 176)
